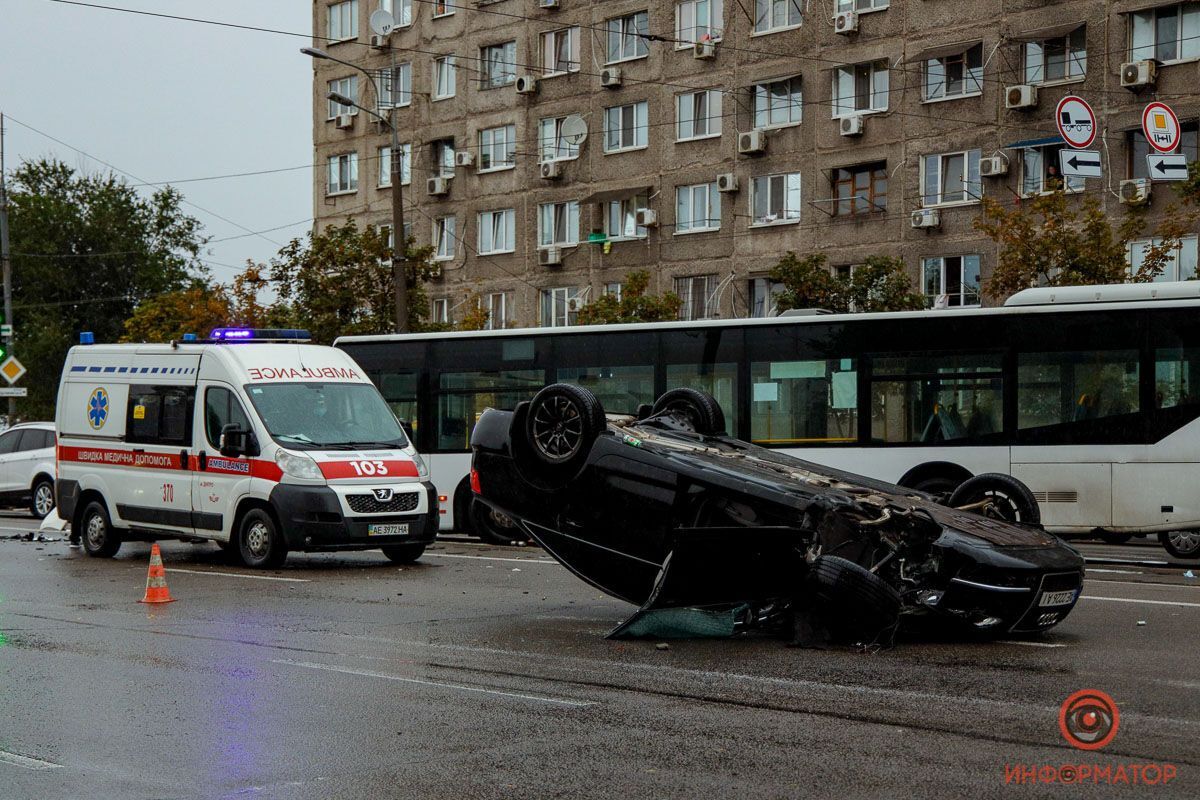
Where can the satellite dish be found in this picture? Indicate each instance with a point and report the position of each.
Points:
(574, 129)
(382, 22)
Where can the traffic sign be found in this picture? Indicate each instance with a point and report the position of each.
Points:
(1167, 166)
(1161, 126)
(1079, 163)
(1076, 122)
(12, 391)
(6, 331)
(12, 370)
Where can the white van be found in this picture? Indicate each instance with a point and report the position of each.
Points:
(253, 439)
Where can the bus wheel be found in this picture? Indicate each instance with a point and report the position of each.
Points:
(493, 527)
(562, 422)
(701, 409)
(997, 495)
(1181, 544)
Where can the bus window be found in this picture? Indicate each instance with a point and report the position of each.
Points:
(719, 380)
(620, 389)
(936, 398)
(399, 389)
(1176, 377)
(1062, 388)
(463, 396)
(804, 402)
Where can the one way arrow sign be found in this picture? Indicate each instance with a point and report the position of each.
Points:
(1167, 167)
(1079, 163)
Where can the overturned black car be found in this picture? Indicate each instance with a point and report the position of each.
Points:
(665, 511)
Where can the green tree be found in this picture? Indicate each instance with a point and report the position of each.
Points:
(87, 250)
(166, 317)
(880, 283)
(634, 305)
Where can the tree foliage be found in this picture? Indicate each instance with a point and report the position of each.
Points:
(880, 283)
(634, 305)
(197, 309)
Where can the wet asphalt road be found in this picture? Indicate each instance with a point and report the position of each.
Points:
(484, 672)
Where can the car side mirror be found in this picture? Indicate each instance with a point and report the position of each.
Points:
(235, 440)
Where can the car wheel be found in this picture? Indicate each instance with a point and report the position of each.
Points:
(1010, 499)
(1111, 537)
(493, 527)
(99, 537)
(260, 544)
(562, 422)
(1181, 544)
(855, 600)
(41, 502)
(700, 409)
(403, 553)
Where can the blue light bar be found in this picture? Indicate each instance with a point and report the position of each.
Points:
(189, 337)
(259, 335)
(87, 337)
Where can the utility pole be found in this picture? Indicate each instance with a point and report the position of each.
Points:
(399, 240)
(5, 258)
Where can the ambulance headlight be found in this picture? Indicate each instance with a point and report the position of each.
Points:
(422, 467)
(297, 465)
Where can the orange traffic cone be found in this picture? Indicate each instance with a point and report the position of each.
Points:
(156, 580)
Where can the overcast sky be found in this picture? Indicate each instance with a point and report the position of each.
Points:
(168, 100)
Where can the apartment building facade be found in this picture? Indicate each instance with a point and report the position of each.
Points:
(551, 146)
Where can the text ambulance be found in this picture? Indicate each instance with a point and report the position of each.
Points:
(252, 439)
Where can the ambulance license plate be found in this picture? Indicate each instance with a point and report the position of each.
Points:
(1057, 598)
(388, 530)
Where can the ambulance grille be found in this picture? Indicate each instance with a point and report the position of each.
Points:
(367, 504)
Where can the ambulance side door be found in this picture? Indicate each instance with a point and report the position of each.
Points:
(219, 481)
(157, 491)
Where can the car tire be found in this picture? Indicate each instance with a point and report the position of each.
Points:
(1181, 544)
(100, 539)
(701, 409)
(403, 553)
(854, 600)
(41, 499)
(260, 542)
(1012, 499)
(562, 422)
(489, 525)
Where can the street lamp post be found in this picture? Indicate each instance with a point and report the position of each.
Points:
(399, 240)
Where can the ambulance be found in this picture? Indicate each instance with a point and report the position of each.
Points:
(254, 439)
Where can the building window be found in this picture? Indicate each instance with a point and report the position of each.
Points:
(860, 189)
(558, 224)
(497, 148)
(441, 153)
(763, 292)
(776, 15)
(401, 11)
(440, 311)
(956, 278)
(778, 103)
(444, 77)
(1181, 262)
(348, 88)
(1055, 60)
(698, 115)
(560, 307)
(957, 75)
(626, 127)
(1040, 171)
(627, 37)
(498, 65)
(862, 6)
(696, 292)
(385, 230)
(560, 52)
(443, 238)
(552, 145)
(496, 304)
(775, 199)
(620, 217)
(697, 208)
(497, 231)
(1167, 33)
(697, 21)
(950, 178)
(343, 21)
(1138, 148)
(395, 86)
(860, 89)
(385, 165)
(442, 8)
(343, 174)
(613, 290)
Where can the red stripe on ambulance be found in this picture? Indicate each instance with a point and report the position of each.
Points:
(365, 468)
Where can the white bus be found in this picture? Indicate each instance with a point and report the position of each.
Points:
(1086, 394)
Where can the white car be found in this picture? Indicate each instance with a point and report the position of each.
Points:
(27, 467)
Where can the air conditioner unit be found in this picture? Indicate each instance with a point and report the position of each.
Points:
(727, 182)
(1135, 191)
(551, 170)
(550, 256)
(1136, 74)
(646, 218)
(846, 22)
(526, 84)
(379, 42)
(551, 4)
(993, 167)
(345, 121)
(464, 158)
(926, 218)
(1020, 96)
(704, 49)
(610, 77)
(851, 126)
(436, 187)
(752, 142)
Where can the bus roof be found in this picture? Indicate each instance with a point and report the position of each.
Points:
(1113, 293)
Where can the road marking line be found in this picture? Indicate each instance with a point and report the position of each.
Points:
(370, 674)
(1134, 600)
(1149, 584)
(239, 575)
(1030, 644)
(495, 558)
(25, 761)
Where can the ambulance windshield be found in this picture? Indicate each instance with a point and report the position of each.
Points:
(323, 416)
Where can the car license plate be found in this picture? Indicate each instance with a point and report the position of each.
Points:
(1057, 598)
(388, 530)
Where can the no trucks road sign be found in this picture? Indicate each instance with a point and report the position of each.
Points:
(1076, 122)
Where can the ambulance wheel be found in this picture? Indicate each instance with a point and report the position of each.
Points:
(260, 543)
(403, 553)
(41, 501)
(99, 538)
